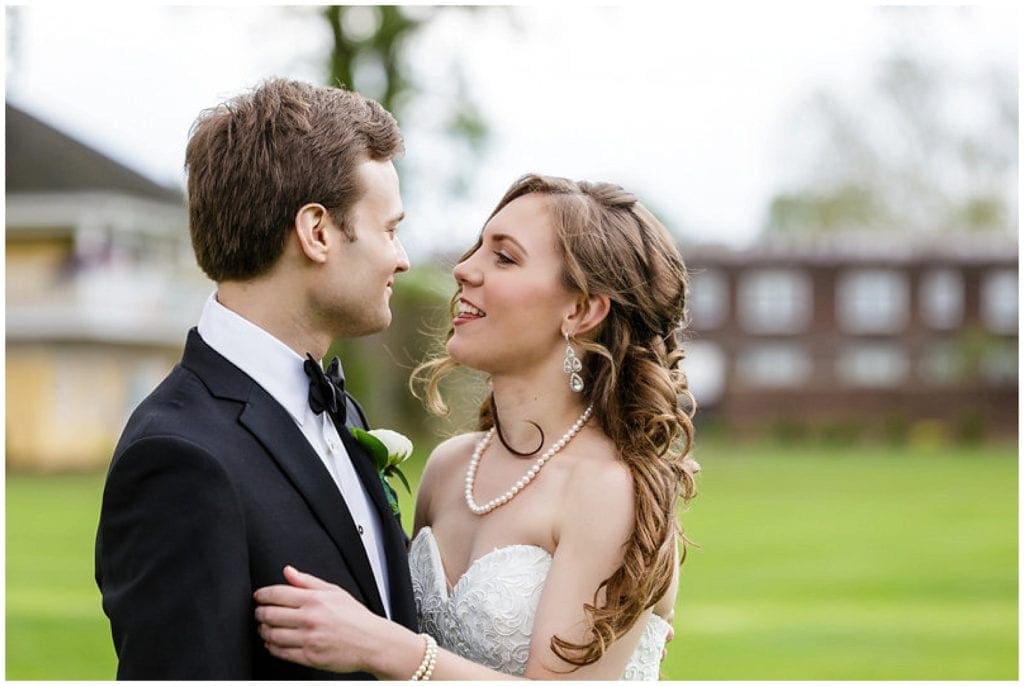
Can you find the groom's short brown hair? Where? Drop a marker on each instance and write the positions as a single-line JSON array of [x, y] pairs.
[[254, 160]]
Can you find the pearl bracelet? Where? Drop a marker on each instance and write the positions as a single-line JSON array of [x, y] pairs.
[[433, 663], [426, 668]]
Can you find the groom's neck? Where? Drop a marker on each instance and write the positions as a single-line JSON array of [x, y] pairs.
[[277, 311]]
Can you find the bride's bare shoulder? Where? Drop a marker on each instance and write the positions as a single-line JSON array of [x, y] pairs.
[[455, 450], [443, 469], [598, 493], [450, 455]]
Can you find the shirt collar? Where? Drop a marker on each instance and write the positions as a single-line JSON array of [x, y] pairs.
[[268, 361]]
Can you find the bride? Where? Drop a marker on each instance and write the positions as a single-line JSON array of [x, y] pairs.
[[546, 543]]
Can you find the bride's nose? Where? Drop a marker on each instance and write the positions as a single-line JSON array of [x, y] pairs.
[[466, 272]]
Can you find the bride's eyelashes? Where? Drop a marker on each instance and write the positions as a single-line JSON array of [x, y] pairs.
[[503, 259]]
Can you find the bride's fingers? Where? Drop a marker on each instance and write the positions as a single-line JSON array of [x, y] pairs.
[[290, 654], [304, 580], [279, 594], [668, 637], [275, 616], [281, 637]]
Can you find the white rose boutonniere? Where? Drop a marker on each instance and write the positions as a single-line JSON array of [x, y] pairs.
[[389, 449]]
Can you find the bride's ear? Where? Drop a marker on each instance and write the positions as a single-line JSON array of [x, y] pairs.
[[312, 222], [587, 314]]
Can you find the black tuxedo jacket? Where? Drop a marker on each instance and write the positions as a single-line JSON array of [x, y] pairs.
[[212, 490]]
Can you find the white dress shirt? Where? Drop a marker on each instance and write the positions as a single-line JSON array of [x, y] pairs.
[[278, 369]]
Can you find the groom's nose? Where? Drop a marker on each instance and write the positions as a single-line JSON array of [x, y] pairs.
[[403, 258]]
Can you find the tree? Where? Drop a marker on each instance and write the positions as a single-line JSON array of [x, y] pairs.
[[929, 146], [369, 54]]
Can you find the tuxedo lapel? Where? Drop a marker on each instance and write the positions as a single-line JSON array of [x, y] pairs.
[[290, 449], [367, 472], [274, 429], [403, 608]]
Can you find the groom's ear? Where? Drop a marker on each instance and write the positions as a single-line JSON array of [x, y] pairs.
[[312, 224], [587, 314]]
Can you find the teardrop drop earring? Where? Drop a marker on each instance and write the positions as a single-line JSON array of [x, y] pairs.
[[572, 366]]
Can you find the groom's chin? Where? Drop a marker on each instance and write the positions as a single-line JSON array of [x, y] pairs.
[[382, 321], [385, 318], [367, 325]]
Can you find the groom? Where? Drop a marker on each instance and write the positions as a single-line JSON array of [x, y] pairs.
[[232, 468]]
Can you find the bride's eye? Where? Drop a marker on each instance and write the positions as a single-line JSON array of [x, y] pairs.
[[503, 258]]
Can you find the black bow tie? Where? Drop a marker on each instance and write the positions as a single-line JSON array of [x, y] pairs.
[[326, 389]]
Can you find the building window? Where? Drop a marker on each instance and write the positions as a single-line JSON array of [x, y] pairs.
[[709, 299], [872, 301], [999, 365], [999, 300], [874, 365], [940, 365], [705, 368], [775, 301], [942, 299], [774, 365]]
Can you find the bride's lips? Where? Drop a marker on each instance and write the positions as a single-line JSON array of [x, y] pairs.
[[468, 312]]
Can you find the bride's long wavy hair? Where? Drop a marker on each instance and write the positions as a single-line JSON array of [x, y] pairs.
[[612, 245]]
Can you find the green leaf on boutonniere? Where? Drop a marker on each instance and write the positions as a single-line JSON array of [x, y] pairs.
[[373, 445], [388, 450], [390, 495], [401, 477]]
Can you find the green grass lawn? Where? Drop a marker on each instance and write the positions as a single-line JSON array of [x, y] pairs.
[[850, 564], [55, 627], [815, 563]]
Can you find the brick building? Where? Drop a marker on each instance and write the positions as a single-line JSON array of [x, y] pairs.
[[866, 330]]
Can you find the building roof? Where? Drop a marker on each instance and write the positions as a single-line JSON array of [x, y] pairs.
[[42, 159], [879, 247]]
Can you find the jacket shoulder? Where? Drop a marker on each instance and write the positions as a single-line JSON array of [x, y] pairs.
[[180, 406]]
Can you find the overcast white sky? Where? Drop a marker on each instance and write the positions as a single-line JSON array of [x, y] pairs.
[[686, 107]]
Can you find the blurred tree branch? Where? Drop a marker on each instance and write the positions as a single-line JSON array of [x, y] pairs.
[[369, 50], [377, 38], [929, 146]]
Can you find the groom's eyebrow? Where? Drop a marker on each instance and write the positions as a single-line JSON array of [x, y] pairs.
[[396, 219]]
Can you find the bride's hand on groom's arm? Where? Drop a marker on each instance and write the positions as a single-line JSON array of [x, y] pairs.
[[317, 624], [320, 625]]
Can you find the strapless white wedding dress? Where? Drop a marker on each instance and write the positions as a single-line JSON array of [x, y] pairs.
[[488, 616]]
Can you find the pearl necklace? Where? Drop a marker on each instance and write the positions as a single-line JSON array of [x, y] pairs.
[[532, 472]]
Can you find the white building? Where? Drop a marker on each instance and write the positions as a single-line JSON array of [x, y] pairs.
[[102, 287]]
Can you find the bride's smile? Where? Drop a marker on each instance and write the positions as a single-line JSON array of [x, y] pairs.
[[512, 297]]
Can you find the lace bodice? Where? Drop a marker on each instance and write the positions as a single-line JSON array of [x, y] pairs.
[[488, 615]]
